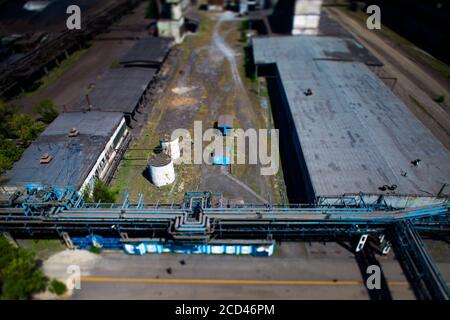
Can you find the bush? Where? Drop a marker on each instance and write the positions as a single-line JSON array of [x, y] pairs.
[[103, 193], [9, 153], [243, 29], [6, 113], [439, 99], [95, 250], [46, 110], [25, 128], [57, 287], [16, 132]]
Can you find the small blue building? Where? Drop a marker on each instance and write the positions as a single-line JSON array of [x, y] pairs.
[[221, 157], [225, 124]]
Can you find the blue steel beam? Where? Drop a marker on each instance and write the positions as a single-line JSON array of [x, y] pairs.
[[417, 263]]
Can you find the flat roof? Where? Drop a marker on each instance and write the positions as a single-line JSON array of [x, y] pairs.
[[119, 90], [151, 50], [225, 120], [354, 133], [73, 157]]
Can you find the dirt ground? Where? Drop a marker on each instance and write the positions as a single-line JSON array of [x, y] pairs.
[[104, 52], [416, 85], [206, 81]]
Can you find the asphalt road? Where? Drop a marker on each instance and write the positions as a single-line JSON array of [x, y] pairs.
[[296, 271]]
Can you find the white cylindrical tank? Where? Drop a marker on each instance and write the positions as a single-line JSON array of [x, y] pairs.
[[161, 170], [170, 147]]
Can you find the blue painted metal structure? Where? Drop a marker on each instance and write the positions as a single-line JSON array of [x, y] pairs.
[[203, 217]]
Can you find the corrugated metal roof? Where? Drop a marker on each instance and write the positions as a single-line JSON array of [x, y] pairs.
[[151, 50], [73, 157], [355, 134], [120, 90]]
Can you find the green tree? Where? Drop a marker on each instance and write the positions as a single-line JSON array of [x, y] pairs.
[[103, 193], [57, 287], [25, 128], [9, 153], [19, 273], [7, 254], [46, 110], [6, 113]]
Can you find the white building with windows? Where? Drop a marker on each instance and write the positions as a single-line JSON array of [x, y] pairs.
[[76, 149]]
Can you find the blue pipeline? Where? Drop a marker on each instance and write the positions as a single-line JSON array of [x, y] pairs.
[[94, 241]]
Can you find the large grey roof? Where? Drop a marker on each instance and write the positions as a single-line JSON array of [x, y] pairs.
[[151, 50], [355, 134], [120, 89], [73, 158]]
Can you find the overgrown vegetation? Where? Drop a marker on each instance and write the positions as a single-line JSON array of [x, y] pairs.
[[17, 131], [95, 250], [101, 192], [20, 276], [249, 65], [46, 110], [57, 287], [56, 72], [439, 99], [243, 29], [151, 11]]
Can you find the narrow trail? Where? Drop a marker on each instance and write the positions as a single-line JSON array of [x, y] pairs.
[[219, 42], [243, 101], [243, 185]]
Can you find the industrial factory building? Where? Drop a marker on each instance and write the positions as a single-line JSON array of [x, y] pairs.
[[125, 88], [120, 90], [88, 141], [347, 133], [74, 150], [147, 52]]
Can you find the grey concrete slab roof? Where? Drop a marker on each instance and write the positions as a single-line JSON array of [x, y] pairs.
[[152, 50], [225, 120], [355, 134], [119, 90], [73, 157]]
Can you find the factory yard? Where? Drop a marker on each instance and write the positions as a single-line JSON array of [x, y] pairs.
[[205, 78], [364, 168]]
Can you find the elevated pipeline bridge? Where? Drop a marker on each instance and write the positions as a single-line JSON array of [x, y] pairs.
[[203, 217]]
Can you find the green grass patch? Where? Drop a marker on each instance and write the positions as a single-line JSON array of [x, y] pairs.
[[43, 249], [58, 71]]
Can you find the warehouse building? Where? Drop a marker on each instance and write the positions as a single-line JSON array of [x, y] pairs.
[[147, 52], [76, 149], [120, 90], [344, 132]]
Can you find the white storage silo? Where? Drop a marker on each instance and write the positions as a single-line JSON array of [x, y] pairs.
[[161, 170], [170, 146]]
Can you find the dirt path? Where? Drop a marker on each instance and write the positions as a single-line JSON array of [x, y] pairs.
[[219, 42], [414, 86], [243, 104], [206, 82]]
